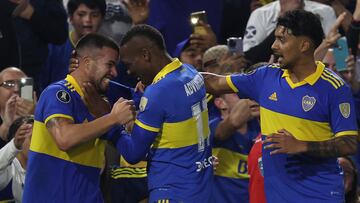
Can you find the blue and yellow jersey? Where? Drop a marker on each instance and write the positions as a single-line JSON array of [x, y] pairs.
[[231, 175], [318, 108], [55, 175], [180, 161], [127, 170]]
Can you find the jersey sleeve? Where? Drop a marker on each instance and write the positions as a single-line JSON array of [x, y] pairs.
[[342, 112], [248, 85], [151, 110], [59, 103]]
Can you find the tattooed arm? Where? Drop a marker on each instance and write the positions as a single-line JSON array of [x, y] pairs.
[[284, 142], [339, 146]]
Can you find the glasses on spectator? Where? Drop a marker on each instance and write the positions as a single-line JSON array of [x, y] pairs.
[[9, 84]]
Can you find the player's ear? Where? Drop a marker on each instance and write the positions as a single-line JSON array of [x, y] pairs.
[[305, 45]]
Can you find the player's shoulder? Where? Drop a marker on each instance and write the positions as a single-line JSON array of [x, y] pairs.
[[60, 90], [332, 82]]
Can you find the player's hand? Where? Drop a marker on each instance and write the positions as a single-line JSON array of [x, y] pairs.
[[124, 111], [140, 87], [74, 62], [240, 113], [138, 10], [96, 104], [21, 134], [350, 62], [284, 142]]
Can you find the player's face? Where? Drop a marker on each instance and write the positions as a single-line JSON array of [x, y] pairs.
[[135, 63], [9, 85], [103, 68], [86, 20], [285, 47]]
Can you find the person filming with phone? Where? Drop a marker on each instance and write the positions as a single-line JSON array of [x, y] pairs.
[[12, 105]]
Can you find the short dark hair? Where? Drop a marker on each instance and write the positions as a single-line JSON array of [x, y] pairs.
[[92, 4], [95, 41], [303, 23], [16, 125], [147, 31]]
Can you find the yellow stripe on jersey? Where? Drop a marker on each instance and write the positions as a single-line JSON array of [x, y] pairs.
[[350, 132], [124, 163], [74, 84], [175, 64], [330, 81], [90, 153], [125, 172], [332, 75], [209, 97], [184, 133], [146, 127], [272, 121], [58, 115], [311, 79], [231, 84], [231, 164]]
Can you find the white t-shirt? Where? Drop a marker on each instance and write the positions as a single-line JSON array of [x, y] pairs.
[[262, 21], [11, 169]]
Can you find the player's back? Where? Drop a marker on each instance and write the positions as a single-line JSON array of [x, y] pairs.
[[180, 165]]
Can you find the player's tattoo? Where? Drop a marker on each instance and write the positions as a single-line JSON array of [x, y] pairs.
[[340, 146]]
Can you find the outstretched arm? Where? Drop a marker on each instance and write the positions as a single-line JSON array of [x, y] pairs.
[[216, 84]]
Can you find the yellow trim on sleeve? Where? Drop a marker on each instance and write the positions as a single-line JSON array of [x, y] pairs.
[[231, 84], [350, 132], [146, 127], [175, 64], [58, 115]]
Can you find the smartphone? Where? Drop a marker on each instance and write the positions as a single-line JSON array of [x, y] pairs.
[[27, 88], [341, 52], [235, 45], [195, 19]]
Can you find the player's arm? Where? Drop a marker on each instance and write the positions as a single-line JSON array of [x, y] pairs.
[[216, 84], [68, 135], [284, 142], [134, 147]]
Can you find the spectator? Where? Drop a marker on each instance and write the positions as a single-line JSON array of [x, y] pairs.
[[260, 28], [41, 22], [232, 144], [62, 112], [11, 104], [85, 16], [179, 167], [14, 156], [301, 140]]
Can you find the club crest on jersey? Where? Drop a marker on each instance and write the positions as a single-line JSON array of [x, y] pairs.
[[63, 96], [308, 103], [143, 103], [345, 109]]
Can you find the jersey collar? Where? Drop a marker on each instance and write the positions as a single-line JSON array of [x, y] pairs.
[[175, 64], [76, 86], [311, 79]]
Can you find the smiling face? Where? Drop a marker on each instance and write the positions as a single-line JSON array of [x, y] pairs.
[[286, 47], [135, 56], [86, 20], [102, 68]]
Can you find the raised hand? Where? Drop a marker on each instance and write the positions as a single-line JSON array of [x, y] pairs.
[[21, 134], [25, 107], [204, 41], [10, 111], [138, 10], [240, 113], [74, 62]]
